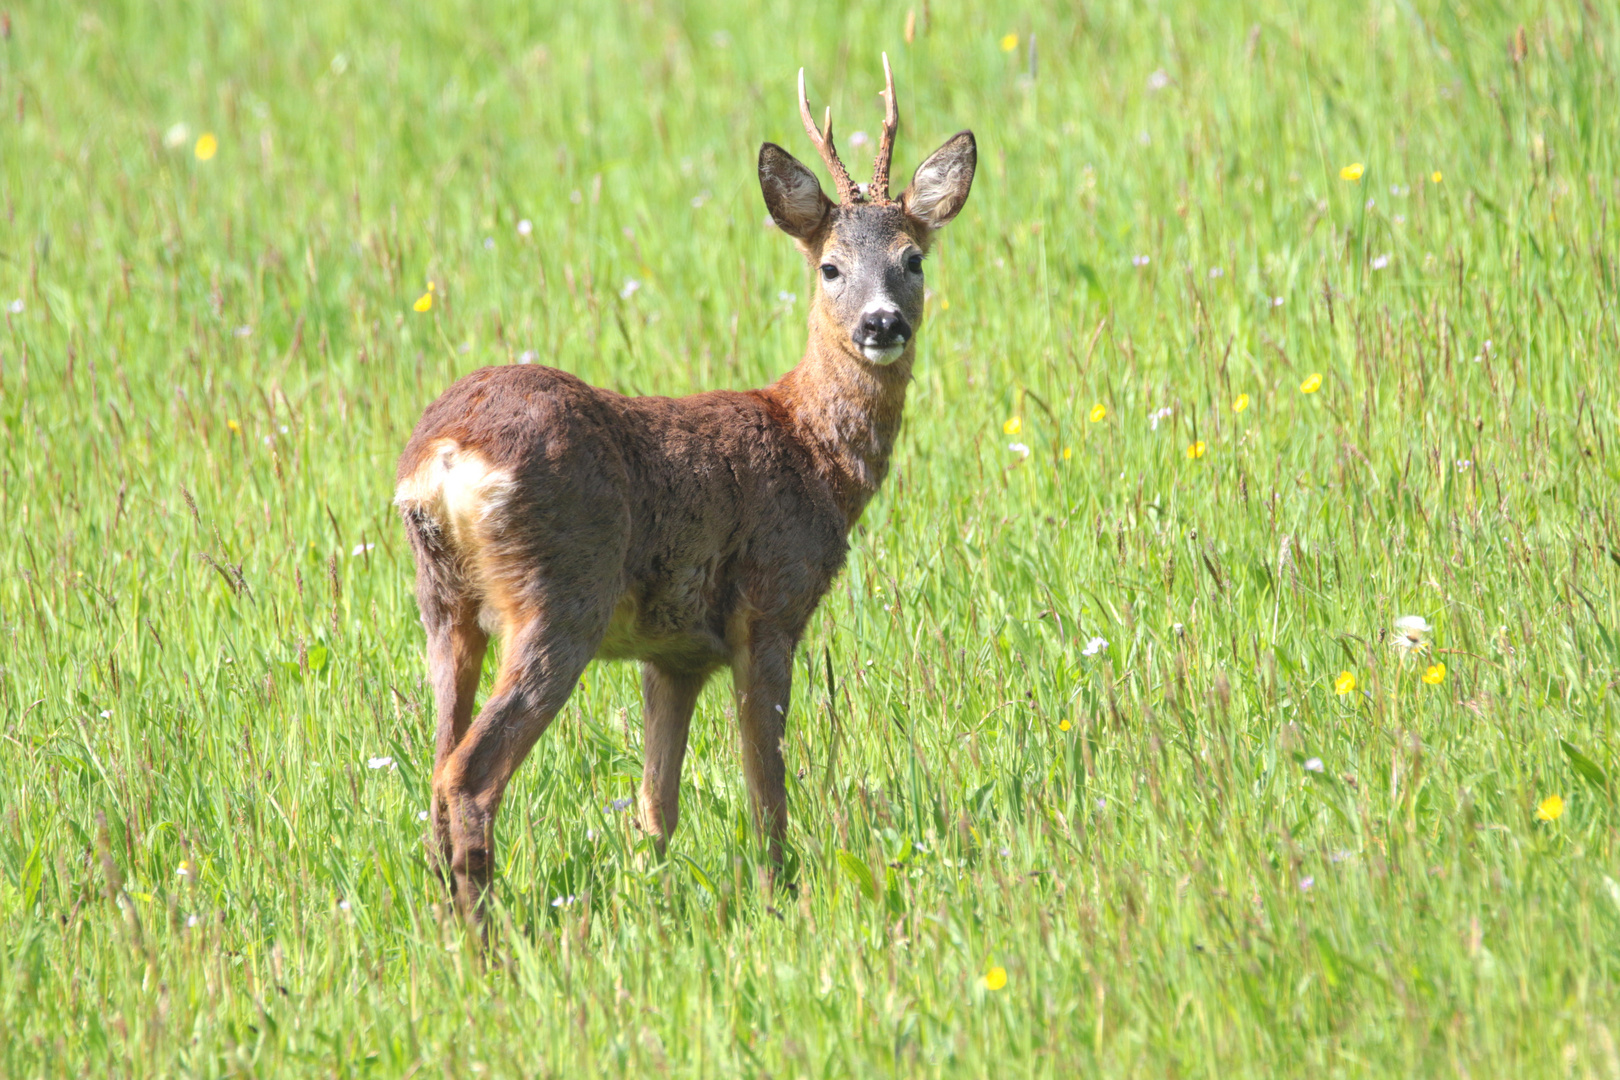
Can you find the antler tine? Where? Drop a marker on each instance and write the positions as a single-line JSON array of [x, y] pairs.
[[891, 124], [824, 144]]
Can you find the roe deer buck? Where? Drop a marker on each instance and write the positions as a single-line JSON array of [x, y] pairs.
[[686, 533]]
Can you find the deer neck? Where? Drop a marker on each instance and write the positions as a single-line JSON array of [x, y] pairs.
[[846, 412]]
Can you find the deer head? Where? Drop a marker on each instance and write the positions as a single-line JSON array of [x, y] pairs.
[[867, 249]]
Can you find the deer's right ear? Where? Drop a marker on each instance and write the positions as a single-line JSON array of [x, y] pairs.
[[792, 193]]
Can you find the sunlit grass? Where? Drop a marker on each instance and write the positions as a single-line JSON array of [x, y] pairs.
[[1264, 328]]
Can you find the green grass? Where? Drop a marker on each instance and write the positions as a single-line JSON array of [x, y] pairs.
[[215, 363]]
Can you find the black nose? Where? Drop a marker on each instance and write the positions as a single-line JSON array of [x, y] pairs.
[[883, 328]]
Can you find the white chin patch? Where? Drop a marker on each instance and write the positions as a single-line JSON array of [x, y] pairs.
[[886, 355]]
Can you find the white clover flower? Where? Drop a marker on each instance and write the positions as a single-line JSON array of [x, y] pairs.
[[1094, 646], [525, 227]]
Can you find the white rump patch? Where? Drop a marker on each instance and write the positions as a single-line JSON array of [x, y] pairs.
[[457, 487]]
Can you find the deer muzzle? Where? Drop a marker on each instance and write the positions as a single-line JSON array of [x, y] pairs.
[[882, 335]]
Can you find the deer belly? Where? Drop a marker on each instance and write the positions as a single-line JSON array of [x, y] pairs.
[[673, 622]]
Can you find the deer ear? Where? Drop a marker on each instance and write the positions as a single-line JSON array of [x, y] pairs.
[[792, 193], [940, 185]]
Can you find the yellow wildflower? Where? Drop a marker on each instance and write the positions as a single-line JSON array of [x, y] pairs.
[[1241, 403], [1551, 808], [424, 302], [1014, 425], [1344, 684], [1064, 725], [1068, 452], [1354, 171], [233, 425], [1098, 411], [995, 978], [187, 868], [945, 305], [1008, 44], [207, 146], [1435, 177], [1435, 675], [1195, 450], [1312, 383]]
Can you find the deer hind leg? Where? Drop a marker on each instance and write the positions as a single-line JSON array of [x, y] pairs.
[[455, 654], [455, 646], [541, 663], [762, 674], [668, 698]]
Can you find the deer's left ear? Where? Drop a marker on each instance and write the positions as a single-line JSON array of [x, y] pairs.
[[940, 185]]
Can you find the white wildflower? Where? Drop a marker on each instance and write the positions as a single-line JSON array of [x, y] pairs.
[[1094, 646], [1411, 633], [361, 549], [380, 763], [1018, 448], [1313, 764], [525, 227]]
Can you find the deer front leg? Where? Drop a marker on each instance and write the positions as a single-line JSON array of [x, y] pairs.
[[763, 676], [667, 699]]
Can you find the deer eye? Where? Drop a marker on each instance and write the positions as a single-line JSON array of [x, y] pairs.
[[914, 263], [829, 272]]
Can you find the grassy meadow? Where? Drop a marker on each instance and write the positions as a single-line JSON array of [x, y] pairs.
[[1266, 325]]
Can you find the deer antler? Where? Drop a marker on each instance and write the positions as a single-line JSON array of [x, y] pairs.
[[847, 192], [891, 124]]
